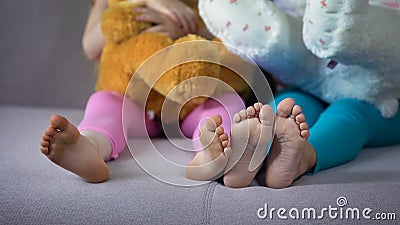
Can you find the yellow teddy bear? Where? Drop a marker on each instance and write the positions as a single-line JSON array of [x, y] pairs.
[[126, 48]]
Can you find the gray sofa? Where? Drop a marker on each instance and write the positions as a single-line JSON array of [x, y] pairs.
[[43, 71]]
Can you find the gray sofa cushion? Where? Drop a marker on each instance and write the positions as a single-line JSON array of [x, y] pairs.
[[43, 71], [36, 191]]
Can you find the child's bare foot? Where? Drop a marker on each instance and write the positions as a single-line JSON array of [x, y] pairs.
[[291, 155], [65, 146], [211, 161], [251, 133]]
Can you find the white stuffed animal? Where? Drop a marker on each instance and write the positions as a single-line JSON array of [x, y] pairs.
[[332, 49]]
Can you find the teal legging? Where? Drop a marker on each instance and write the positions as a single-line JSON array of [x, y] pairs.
[[341, 129]]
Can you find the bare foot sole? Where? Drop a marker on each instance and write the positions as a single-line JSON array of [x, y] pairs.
[[251, 134], [65, 146], [210, 162], [291, 155]]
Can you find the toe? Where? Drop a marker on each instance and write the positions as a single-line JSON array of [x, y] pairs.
[[44, 150], [59, 122], [227, 151], [300, 119], [219, 130], [223, 137], [50, 131], [225, 143], [47, 137], [257, 106], [209, 130], [267, 115], [303, 126], [285, 107], [243, 114], [251, 112], [296, 111], [44, 147], [44, 143], [217, 120], [208, 125], [305, 134], [236, 118]]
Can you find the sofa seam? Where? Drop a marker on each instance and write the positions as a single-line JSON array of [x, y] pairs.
[[207, 202]]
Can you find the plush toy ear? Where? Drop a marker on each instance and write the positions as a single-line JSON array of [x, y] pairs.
[[118, 21]]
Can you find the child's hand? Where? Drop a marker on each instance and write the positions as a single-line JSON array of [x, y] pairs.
[[177, 11], [163, 24]]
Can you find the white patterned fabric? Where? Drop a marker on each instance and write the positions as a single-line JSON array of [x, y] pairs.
[[338, 49]]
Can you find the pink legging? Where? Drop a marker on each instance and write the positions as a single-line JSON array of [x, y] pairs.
[[103, 114]]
